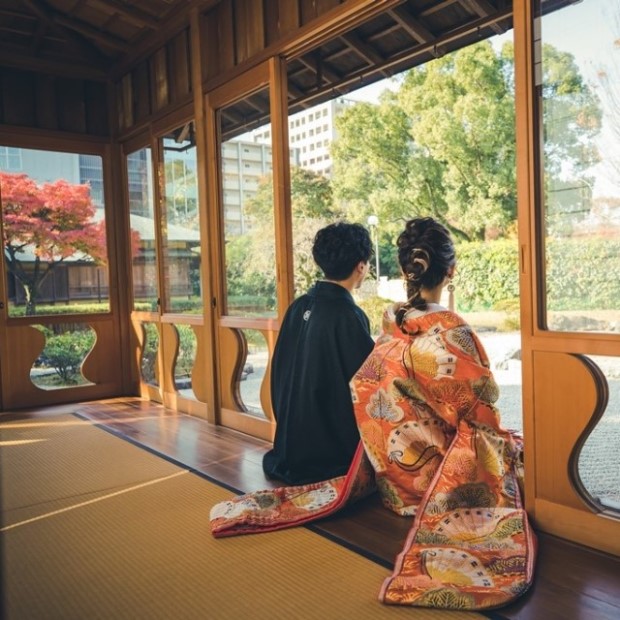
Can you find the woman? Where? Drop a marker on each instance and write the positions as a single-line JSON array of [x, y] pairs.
[[423, 401], [433, 444]]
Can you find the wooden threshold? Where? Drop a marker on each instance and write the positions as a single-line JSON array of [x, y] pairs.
[[571, 581]]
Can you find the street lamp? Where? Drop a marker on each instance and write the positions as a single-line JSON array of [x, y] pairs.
[[373, 222]]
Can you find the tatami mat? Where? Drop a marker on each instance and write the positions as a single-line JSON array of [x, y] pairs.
[[95, 527]]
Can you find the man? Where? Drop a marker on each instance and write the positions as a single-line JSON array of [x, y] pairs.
[[323, 340]]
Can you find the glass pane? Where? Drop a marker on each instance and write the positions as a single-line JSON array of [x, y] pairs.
[[60, 362], [148, 361], [253, 371], [311, 132], [180, 222], [142, 225], [579, 85], [53, 216], [599, 460], [247, 199], [185, 361], [504, 351]]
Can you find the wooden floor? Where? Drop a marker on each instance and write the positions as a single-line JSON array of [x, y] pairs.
[[572, 582]]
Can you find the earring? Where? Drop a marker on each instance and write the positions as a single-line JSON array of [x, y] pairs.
[[451, 296]]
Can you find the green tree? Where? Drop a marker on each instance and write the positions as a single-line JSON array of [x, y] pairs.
[[311, 208], [443, 144], [572, 116]]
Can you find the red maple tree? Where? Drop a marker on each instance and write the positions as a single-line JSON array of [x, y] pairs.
[[43, 225]]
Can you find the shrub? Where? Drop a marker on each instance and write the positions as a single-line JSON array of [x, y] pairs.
[[187, 351], [374, 307], [487, 274], [66, 352]]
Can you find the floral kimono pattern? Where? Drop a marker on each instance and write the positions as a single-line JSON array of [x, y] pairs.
[[434, 448], [423, 401]]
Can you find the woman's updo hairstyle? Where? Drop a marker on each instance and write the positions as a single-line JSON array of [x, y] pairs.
[[425, 255]]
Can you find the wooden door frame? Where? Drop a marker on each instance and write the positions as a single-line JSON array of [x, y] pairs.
[[551, 364], [16, 335], [270, 74], [165, 392]]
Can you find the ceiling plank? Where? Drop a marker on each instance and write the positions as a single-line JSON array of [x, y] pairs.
[[93, 33], [318, 67], [17, 57], [411, 25], [130, 14], [368, 75], [482, 8], [46, 15], [38, 37], [437, 7], [369, 54]]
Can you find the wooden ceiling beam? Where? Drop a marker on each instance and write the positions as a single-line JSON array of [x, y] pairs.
[[318, 67], [18, 57], [436, 7], [28, 32], [172, 22], [129, 14], [50, 17], [482, 8], [255, 103], [293, 91], [14, 13], [411, 25], [365, 76], [231, 115], [93, 33], [371, 56], [38, 37]]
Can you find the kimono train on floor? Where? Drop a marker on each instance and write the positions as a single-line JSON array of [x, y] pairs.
[[434, 448]]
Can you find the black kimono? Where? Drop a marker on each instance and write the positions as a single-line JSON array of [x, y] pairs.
[[323, 340]]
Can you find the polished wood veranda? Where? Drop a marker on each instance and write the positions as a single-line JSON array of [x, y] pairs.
[[572, 582]]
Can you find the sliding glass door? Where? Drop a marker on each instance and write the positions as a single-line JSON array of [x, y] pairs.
[[252, 277], [59, 319]]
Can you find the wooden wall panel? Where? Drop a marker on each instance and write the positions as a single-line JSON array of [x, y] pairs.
[[307, 10], [311, 9], [322, 6], [96, 100], [23, 344], [157, 84], [566, 395], [231, 33], [159, 79], [141, 92], [47, 115], [219, 40], [126, 115], [249, 28], [281, 18], [180, 67], [71, 105], [40, 101], [18, 94]]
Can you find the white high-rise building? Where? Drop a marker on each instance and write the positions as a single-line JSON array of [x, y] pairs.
[[311, 133]]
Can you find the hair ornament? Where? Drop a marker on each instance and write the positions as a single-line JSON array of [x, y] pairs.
[[421, 257]]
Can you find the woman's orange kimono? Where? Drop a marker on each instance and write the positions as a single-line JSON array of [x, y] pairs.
[[433, 444]]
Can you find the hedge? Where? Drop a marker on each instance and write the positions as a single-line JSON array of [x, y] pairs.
[[486, 274], [581, 274]]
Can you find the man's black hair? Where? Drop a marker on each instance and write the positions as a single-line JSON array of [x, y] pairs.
[[339, 247]]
